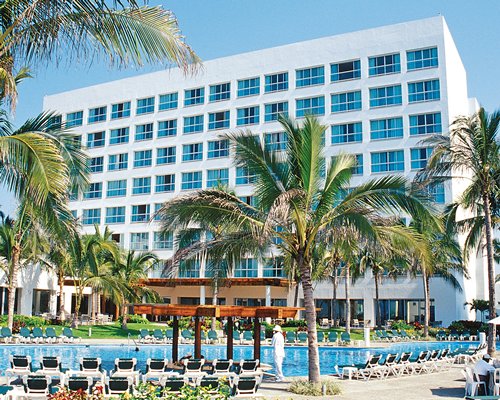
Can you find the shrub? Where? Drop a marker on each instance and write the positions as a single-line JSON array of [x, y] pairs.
[[294, 323], [134, 319], [472, 326], [400, 324], [24, 320], [305, 388], [147, 391], [66, 394]]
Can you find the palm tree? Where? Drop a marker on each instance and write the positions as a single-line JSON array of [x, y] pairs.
[[479, 305], [472, 153], [292, 193], [130, 270]]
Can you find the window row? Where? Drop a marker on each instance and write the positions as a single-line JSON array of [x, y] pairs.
[[346, 70]]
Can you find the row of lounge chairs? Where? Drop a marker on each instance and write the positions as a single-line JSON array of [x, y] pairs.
[[392, 335], [406, 363], [332, 338], [454, 335], [37, 335], [243, 378]]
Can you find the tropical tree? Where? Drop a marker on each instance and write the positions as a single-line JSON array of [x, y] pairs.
[[471, 153], [292, 193], [479, 305], [130, 271]]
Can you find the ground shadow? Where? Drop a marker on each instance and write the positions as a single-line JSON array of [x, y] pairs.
[[449, 393]]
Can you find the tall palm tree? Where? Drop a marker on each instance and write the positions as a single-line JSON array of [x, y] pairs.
[[472, 153], [293, 194], [130, 270]]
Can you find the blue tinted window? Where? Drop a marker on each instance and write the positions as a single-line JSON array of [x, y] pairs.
[[382, 65], [168, 101], [219, 92], [276, 82], [96, 164], [141, 185], [143, 158], [192, 152], [96, 139], [345, 70], [97, 114], [91, 216], [117, 188], [191, 180], [115, 215], [244, 176], [436, 192], [163, 241], [247, 116], [140, 213], [358, 166], [419, 157], [74, 119], [117, 162], [347, 101], [94, 191], [423, 124], [386, 128], [217, 177], [167, 128], [423, 91], [139, 241], [247, 268], [248, 87], [276, 141], [194, 96], [118, 136], [310, 76], [310, 106], [165, 155], [218, 148], [387, 161], [218, 120], [193, 124], [145, 106], [165, 183], [189, 269], [423, 58], [386, 96], [144, 132], [120, 110], [273, 110], [347, 133]]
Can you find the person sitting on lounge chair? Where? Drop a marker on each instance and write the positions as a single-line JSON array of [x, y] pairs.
[[483, 368]]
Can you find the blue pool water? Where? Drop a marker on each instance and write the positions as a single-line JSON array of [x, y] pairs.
[[295, 363]]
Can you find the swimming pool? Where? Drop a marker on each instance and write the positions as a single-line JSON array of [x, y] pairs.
[[295, 363]]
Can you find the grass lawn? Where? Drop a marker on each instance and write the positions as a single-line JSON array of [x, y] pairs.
[[113, 331], [356, 334]]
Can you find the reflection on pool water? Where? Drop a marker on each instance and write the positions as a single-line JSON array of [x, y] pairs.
[[295, 363]]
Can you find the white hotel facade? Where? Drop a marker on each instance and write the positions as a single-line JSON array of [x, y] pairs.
[[156, 136]]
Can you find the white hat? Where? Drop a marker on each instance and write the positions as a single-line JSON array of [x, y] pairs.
[[277, 328], [486, 357]]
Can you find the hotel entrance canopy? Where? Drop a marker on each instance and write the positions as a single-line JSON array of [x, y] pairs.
[[229, 312]]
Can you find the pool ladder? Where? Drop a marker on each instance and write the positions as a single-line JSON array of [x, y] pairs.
[[133, 340]]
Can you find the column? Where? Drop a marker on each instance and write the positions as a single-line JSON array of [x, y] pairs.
[[197, 337], [36, 307], [53, 302], [175, 339], [230, 328], [202, 295], [256, 338]]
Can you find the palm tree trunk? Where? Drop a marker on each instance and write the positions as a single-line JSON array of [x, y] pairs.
[[427, 301], [491, 274], [377, 302], [347, 300], [11, 302], [310, 309], [335, 281], [296, 295], [124, 316], [60, 281], [214, 302], [79, 296]]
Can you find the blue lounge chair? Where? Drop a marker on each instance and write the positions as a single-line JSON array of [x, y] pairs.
[[321, 337], [213, 337], [247, 337], [25, 335], [441, 335], [290, 337], [302, 337], [6, 335], [158, 336], [68, 336], [144, 336], [187, 336], [51, 336], [236, 337], [333, 337], [345, 338], [38, 335]]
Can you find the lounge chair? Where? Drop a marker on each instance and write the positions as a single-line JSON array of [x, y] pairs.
[[69, 337], [333, 337], [247, 337], [388, 335], [158, 336], [210, 383], [90, 367], [19, 366], [302, 337], [126, 367], [366, 370], [144, 336], [321, 337], [345, 338], [454, 335], [396, 335], [82, 383], [25, 335], [203, 336], [419, 364], [169, 335], [402, 365], [405, 336], [236, 337], [221, 367], [50, 364], [465, 335], [6, 335], [290, 337], [213, 337], [193, 365], [186, 336], [245, 386], [38, 336], [117, 385], [51, 336], [441, 335], [156, 368], [386, 367], [249, 367], [173, 385], [37, 386]]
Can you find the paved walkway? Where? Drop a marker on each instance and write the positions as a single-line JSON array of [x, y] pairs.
[[441, 385]]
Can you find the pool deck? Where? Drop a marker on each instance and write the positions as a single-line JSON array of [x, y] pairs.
[[442, 385]]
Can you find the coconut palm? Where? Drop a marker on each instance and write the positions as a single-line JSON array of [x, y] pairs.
[[472, 153], [478, 305], [130, 270], [292, 193]]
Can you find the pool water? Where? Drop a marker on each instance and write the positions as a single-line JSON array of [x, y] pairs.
[[295, 363]]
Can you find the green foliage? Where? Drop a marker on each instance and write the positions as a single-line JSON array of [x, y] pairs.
[[147, 391], [66, 394], [400, 324], [294, 323], [135, 319], [24, 320], [473, 327], [185, 323], [305, 388]]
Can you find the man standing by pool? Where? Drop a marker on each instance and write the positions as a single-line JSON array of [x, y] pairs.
[[278, 344]]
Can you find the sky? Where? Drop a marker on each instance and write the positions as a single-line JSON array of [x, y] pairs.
[[218, 28]]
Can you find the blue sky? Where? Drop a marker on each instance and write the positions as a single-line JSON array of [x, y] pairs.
[[219, 28]]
